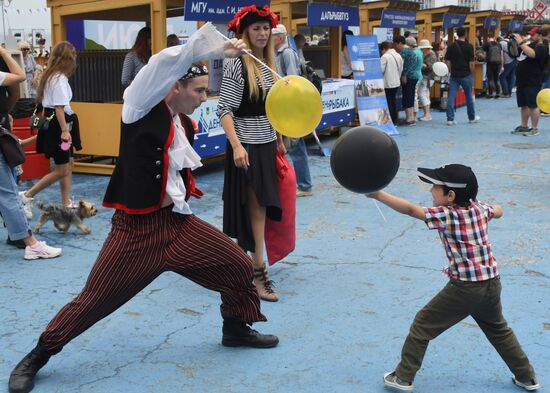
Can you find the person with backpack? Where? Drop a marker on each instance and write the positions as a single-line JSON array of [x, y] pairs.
[[510, 50], [495, 61], [530, 76], [288, 63]]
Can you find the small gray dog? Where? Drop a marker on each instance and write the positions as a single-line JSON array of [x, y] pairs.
[[63, 216]]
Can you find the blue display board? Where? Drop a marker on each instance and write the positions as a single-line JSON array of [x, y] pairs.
[[515, 25], [369, 83], [398, 19], [319, 14], [453, 20], [490, 23], [216, 10]]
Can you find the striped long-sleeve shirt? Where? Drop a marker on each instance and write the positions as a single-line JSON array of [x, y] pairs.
[[132, 65], [249, 129]]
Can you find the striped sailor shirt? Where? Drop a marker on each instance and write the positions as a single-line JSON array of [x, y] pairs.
[[249, 129], [463, 232]]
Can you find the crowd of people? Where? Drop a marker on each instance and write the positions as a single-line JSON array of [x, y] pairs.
[[512, 61]]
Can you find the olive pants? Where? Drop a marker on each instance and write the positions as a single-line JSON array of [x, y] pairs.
[[456, 301]]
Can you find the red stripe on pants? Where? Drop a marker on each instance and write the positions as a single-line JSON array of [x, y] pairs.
[[141, 247]]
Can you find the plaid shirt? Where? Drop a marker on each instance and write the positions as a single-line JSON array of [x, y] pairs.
[[464, 236]]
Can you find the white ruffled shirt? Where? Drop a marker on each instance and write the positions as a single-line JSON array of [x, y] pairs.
[[182, 155], [151, 85]]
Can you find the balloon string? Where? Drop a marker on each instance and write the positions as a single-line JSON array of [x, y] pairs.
[[248, 52], [379, 210]]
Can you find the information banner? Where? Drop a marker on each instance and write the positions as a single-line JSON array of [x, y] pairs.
[[490, 23], [216, 10], [515, 25], [319, 14], [453, 20], [398, 19], [369, 83]]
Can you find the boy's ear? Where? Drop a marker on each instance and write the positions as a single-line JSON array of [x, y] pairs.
[[451, 196]]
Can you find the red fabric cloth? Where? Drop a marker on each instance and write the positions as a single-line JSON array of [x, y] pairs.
[[280, 236]]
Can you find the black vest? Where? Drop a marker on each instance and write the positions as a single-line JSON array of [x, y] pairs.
[[138, 183], [249, 108]]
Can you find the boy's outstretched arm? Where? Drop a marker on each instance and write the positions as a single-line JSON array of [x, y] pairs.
[[399, 204], [497, 210]]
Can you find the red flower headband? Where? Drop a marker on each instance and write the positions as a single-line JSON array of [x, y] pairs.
[[251, 14]]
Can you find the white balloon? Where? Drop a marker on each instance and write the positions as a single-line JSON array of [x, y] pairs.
[[440, 69]]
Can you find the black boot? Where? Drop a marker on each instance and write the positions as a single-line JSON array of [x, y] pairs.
[[22, 376], [238, 334]]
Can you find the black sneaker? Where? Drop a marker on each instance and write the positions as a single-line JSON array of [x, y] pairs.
[[238, 334], [16, 243], [392, 381], [531, 132], [519, 130]]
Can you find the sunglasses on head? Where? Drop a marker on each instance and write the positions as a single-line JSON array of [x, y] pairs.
[[195, 71]]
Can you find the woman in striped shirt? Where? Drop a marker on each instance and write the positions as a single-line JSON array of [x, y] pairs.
[[137, 57], [250, 192]]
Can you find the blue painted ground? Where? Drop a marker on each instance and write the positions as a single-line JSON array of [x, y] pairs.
[[348, 292]]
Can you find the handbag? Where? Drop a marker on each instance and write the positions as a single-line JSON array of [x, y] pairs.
[[11, 148], [280, 236], [40, 123]]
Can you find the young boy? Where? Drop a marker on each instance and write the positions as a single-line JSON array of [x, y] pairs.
[[474, 284]]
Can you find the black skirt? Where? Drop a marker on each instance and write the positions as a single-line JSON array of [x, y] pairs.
[[261, 176], [49, 141]]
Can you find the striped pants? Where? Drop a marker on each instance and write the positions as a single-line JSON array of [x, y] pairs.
[[141, 247]]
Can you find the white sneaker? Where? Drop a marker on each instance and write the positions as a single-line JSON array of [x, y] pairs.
[[27, 204], [475, 120], [452, 122], [42, 250], [531, 385]]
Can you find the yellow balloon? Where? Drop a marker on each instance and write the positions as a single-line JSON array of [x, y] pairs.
[[293, 106], [543, 100]]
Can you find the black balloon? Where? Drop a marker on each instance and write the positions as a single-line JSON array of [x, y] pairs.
[[364, 159]]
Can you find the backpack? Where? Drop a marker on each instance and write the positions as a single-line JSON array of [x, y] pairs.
[[513, 48], [493, 54], [309, 73], [306, 71]]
